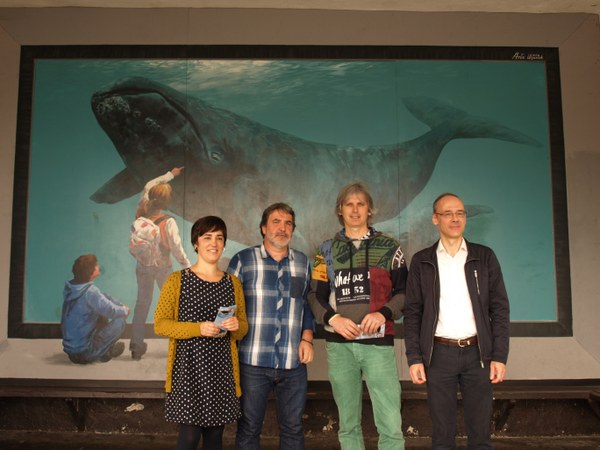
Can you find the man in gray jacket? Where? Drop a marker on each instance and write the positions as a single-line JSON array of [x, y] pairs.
[[456, 327]]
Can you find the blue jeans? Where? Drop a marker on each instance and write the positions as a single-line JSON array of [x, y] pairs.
[[105, 336], [348, 363], [453, 367], [290, 386], [146, 277]]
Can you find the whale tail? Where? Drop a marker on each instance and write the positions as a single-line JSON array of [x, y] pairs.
[[437, 114]]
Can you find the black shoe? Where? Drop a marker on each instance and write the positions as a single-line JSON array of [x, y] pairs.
[[115, 350], [139, 351]]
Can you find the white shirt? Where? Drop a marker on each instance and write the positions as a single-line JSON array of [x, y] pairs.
[[456, 320]]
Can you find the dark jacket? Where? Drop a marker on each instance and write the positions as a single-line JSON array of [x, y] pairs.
[[488, 296]]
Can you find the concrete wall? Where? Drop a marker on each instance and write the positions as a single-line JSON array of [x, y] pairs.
[[576, 35]]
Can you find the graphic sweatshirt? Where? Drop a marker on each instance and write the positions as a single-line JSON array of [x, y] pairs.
[[355, 277]]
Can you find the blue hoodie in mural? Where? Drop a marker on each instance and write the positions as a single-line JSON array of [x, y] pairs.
[[85, 310]]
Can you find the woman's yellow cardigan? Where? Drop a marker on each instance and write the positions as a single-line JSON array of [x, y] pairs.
[[166, 323]]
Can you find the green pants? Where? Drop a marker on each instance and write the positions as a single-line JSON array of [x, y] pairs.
[[348, 363]]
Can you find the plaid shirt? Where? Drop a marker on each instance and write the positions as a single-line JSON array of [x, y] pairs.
[[276, 306]]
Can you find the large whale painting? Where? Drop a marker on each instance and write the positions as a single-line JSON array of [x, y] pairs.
[[235, 167]]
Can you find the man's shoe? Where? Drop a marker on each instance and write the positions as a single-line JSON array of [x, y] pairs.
[[115, 350]]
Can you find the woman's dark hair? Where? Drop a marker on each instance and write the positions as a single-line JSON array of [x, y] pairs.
[[205, 225], [83, 268]]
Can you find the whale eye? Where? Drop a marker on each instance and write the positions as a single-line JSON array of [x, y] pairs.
[[216, 157]]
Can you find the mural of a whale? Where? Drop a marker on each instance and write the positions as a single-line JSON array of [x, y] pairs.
[[235, 167]]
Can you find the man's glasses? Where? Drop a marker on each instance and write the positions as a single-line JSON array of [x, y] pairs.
[[449, 214]]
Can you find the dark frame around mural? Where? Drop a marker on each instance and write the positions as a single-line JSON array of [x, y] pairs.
[[19, 328]]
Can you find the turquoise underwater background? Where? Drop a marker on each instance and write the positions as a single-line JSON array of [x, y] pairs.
[[348, 103]]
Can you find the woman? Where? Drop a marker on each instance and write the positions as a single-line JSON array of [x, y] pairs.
[[203, 375], [155, 198]]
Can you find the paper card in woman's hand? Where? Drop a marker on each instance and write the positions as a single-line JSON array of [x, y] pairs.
[[224, 312]]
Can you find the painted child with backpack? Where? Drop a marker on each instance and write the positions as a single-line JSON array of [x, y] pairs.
[[154, 238]]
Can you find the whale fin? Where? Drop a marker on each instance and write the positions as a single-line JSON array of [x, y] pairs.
[[435, 114], [476, 210], [123, 185]]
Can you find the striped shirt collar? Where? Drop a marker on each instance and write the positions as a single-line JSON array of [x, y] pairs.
[[265, 254]]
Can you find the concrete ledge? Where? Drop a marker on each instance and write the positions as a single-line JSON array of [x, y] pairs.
[[521, 408], [320, 390], [594, 401]]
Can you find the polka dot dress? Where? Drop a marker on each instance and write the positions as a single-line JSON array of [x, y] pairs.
[[203, 390]]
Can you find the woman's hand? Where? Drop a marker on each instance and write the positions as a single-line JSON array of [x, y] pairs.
[[231, 324], [209, 329]]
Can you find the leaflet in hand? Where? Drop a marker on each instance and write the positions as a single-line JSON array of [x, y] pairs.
[[224, 312], [378, 334]]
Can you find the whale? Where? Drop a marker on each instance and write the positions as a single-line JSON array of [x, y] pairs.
[[235, 167]]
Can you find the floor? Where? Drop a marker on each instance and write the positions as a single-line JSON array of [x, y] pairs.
[[27, 440]]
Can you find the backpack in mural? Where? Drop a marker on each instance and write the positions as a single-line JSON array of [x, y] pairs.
[[144, 241]]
